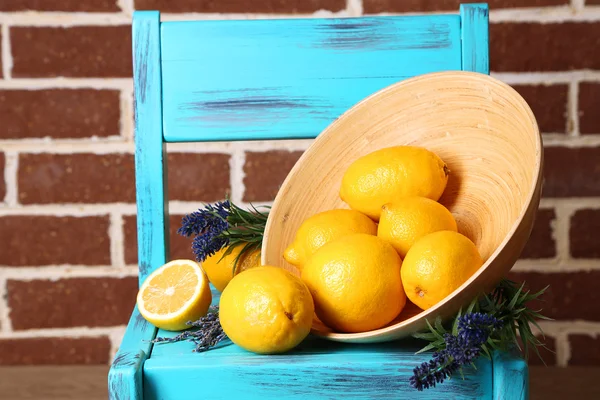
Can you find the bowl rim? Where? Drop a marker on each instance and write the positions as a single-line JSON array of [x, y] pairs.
[[535, 182]]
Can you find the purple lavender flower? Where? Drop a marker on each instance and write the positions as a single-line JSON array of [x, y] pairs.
[[428, 374], [461, 349], [475, 328], [207, 225], [212, 216]]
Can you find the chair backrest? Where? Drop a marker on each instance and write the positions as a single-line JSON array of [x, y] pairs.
[[272, 79]]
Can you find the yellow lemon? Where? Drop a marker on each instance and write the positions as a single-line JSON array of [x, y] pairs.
[[436, 265], [323, 228], [408, 219], [266, 310], [385, 175], [220, 269], [174, 294], [355, 282]]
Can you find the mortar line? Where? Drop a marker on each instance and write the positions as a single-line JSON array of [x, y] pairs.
[[354, 8], [11, 168], [56, 272], [561, 231], [71, 332], [5, 322], [578, 5], [236, 174], [573, 108], [120, 144], [115, 234], [547, 78], [7, 61], [126, 6], [126, 115], [66, 83], [563, 349]]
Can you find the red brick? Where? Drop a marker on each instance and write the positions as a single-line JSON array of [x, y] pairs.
[[62, 5], [74, 302], [241, 6], [571, 172], [46, 240], [585, 350], [76, 178], [589, 98], [549, 105], [59, 113], [180, 246], [55, 351], [571, 295], [380, 6], [265, 172], [2, 183], [198, 177], [584, 241], [83, 51], [558, 46], [541, 243]]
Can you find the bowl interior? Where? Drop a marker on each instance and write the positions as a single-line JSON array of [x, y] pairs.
[[481, 128]]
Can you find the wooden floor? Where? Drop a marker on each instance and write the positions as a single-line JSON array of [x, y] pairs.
[[89, 383]]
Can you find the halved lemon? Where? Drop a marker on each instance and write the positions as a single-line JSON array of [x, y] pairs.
[[174, 294]]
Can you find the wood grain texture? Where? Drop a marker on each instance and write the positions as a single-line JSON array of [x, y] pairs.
[[150, 158], [317, 369], [510, 377], [275, 79], [483, 130], [475, 37]]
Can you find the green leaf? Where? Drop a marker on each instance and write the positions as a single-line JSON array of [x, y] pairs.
[[515, 298], [439, 326], [433, 330], [426, 348], [472, 306]]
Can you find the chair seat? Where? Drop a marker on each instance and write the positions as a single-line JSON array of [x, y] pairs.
[[316, 369]]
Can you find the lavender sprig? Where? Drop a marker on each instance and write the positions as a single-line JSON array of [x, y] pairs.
[[208, 335], [490, 323], [207, 225], [428, 374], [457, 350], [221, 225]]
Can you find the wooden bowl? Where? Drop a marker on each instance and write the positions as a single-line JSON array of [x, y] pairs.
[[488, 137]]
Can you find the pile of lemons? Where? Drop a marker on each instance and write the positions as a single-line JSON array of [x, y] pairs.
[[358, 266]]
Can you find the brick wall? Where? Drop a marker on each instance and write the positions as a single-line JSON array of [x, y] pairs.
[[67, 217]]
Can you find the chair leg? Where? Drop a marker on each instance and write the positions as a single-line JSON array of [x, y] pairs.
[[125, 375], [511, 376]]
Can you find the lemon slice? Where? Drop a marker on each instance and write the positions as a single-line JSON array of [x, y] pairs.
[[174, 294]]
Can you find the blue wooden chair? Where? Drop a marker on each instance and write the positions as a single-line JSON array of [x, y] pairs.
[[279, 79]]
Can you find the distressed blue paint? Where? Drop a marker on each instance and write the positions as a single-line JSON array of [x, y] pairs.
[[510, 377], [125, 376], [273, 79], [316, 369], [125, 381], [150, 162], [475, 37]]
